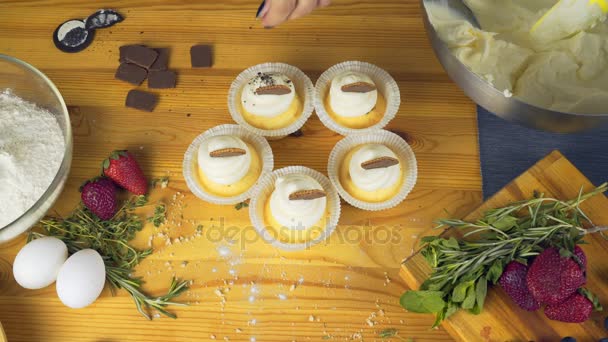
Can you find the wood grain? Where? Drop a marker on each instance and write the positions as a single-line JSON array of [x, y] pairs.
[[344, 288], [501, 319]]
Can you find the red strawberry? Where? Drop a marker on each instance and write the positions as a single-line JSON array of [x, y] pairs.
[[123, 169], [576, 309], [513, 281], [553, 278], [99, 195]]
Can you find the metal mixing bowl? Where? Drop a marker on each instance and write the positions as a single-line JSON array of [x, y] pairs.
[[32, 85], [492, 99]]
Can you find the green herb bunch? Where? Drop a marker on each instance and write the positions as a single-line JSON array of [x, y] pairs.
[[82, 229], [463, 268]]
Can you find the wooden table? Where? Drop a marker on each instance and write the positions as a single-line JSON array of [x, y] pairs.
[[339, 291]]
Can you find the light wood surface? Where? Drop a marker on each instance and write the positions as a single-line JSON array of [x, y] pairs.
[[503, 320], [349, 290]]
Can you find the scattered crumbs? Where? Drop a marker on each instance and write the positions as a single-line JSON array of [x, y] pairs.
[[184, 264], [252, 339], [292, 287], [226, 338], [238, 330], [282, 296], [387, 280], [213, 337], [311, 318], [401, 321]]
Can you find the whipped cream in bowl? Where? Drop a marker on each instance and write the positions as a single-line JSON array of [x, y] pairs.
[[349, 103], [375, 178], [224, 154], [374, 147], [301, 202]]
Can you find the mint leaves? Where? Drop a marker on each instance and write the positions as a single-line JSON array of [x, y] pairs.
[[423, 301]]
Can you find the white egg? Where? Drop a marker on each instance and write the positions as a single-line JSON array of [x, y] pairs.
[[37, 263], [81, 279]]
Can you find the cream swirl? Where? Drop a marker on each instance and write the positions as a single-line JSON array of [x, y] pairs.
[[350, 104], [224, 170], [296, 214], [267, 105], [373, 179]]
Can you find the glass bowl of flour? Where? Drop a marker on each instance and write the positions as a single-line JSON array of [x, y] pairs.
[[35, 146]]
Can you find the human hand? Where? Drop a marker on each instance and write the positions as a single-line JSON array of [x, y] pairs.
[[275, 12]]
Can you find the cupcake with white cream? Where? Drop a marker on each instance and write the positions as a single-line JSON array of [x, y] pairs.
[[271, 99], [352, 97], [294, 208], [223, 164], [373, 171]]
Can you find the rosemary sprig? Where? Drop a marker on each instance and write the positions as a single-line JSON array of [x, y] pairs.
[[463, 268], [110, 238]]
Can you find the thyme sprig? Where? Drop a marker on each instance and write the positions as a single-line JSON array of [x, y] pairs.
[[82, 229]]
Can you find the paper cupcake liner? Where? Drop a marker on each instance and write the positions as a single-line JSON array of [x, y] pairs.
[[304, 89], [384, 82], [265, 187], [191, 159], [392, 141]]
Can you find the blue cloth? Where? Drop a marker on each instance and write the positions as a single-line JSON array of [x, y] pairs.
[[506, 150]]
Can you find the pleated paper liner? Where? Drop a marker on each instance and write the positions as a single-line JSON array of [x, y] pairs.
[[391, 140], [190, 163], [261, 195], [304, 89], [385, 84]]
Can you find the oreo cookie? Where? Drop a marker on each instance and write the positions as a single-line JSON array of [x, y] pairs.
[[103, 18], [73, 36], [76, 35]]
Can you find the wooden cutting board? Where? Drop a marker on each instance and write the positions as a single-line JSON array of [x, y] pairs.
[[503, 320]]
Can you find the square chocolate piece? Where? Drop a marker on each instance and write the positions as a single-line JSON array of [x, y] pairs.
[[201, 56], [141, 100], [123, 52], [162, 61], [141, 55], [131, 73], [162, 79]]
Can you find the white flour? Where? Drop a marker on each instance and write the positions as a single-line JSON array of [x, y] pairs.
[[31, 150]]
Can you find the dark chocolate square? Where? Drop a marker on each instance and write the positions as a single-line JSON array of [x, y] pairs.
[[162, 61], [123, 52], [201, 56], [131, 73], [162, 79], [141, 55], [141, 100]]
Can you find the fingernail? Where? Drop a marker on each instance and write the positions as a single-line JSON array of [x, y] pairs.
[[257, 15]]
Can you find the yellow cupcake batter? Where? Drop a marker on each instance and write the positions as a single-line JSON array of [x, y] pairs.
[[286, 235], [358, 122], [280, 121], [347, 183], [255, 169]]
